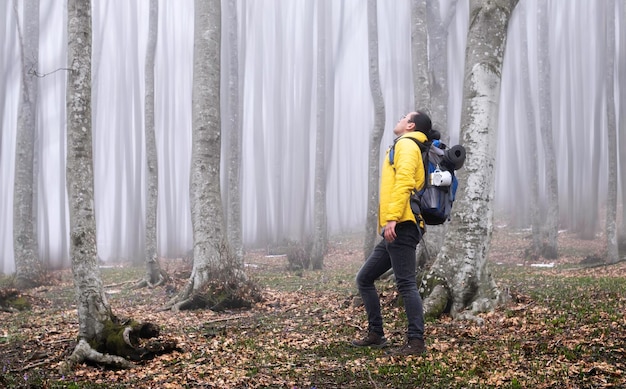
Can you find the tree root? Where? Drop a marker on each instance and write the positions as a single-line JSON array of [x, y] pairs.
[[85, 353], [436, 302], [145, 283], [217, 295], [120, 345]]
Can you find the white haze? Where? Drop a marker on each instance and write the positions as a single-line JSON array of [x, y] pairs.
[[278, 75]]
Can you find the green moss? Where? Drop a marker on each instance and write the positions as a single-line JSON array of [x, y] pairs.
[[20, 303]]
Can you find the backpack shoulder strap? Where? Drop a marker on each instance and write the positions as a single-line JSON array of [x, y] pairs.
[[424, 146]]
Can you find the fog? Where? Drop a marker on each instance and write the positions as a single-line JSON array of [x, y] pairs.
[[277, 76]]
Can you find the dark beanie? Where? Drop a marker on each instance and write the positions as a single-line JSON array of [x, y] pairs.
[[422, 122]]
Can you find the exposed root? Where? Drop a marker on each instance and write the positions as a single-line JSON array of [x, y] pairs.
[[436, 302], [217, 295], [145, 283], [85, 353]]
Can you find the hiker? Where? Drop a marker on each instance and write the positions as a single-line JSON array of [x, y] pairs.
[[399, 229]]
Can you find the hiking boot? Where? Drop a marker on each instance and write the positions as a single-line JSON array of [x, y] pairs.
[[371, 340], [411, 347]]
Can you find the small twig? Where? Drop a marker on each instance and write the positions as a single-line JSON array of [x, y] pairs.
[[371, 379], [117, 285], [226, 319], [61, 341], [29, 366], [42, 75]]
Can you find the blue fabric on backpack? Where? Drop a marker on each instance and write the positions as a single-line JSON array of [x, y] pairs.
[[434, 203]]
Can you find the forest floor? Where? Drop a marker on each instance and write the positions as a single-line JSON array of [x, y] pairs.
[[564, 328]]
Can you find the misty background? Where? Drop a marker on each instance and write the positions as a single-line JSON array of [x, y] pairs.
[[277, 51]]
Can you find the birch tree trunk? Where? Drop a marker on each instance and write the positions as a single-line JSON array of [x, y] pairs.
[[28, 268], [551, 228], [371, 220], [460, 278], [154, 274], [611, 201], [212, 258]]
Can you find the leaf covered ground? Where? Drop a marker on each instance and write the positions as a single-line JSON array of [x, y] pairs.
[[564, 328]]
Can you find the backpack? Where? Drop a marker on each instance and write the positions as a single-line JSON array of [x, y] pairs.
[[434, 201]]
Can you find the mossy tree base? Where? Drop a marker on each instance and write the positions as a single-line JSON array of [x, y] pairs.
[[12, 300], [120, 344], [217, 295]]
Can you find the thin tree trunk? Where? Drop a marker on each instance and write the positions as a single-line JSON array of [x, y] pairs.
[[551, 227], [438, 64], [371, 220], [461, 266], [28, 267], [153, 269], [589, 221], [320, 230], [611, 201], [621, 133], [235, 158], [530, 151], [419, 55]]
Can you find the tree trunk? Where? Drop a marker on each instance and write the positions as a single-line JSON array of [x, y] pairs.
[[235, 158], [611, 201], [460, 277], [27, 265], [551, 228], [438, 64], [93, 308], [531, 153], [371, 220], [212, 259], [419, 55], [621, 132], [320, 228], [102, 338], [154, 275]]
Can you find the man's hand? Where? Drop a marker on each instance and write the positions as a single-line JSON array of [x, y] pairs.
[[389, 231]]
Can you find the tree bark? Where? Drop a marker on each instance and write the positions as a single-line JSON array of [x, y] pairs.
[[235, 158], [93, 308], [461, 266], [371, 220], [530, 152], [154, 275], [102, 337], [551, 228], [611, 201], [419, 55], [212, 259], [320, 228], [28, 267], [438, 64]]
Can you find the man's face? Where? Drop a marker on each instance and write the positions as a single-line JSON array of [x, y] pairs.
[[404, 125]]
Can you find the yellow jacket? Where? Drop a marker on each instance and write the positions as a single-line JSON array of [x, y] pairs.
[[398, 180]]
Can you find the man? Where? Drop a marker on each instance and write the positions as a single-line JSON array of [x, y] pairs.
[[401, 235]]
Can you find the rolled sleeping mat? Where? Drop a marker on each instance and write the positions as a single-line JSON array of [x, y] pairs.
[[455, 156]]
